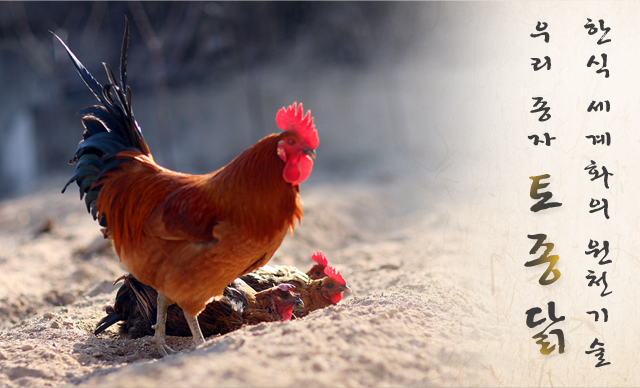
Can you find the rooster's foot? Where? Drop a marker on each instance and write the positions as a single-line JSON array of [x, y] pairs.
[[161, 346], [159, 338], [198, 338]]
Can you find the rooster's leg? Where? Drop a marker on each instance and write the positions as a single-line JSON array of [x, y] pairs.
[[198, 338], [159, 339]]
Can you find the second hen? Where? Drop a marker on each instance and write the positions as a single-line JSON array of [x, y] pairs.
[[317, 289], [270, 275], [135, 307]]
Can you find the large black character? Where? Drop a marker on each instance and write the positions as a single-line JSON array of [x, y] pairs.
[[541, 336], [544, 258], [543, 197]]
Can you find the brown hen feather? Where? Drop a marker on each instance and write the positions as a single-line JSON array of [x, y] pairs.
[[315, 293], [135, 309]]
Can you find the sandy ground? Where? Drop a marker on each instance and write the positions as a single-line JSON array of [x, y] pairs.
[[416, 316]]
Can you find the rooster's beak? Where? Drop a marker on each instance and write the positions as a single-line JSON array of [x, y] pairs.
[[311, 153], [345, 289]]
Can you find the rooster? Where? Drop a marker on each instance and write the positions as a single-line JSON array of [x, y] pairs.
[[135, 307], [187, 236]]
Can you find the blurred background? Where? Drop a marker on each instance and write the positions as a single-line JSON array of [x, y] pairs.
[[207, 79]]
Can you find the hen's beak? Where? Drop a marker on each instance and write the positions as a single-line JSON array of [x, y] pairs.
[[311, 153], [298, 301], [344, 289]]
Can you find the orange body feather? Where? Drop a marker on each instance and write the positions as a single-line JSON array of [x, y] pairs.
[[188, 236]]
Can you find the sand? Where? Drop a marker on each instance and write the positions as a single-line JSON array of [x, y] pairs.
[[415, 317]]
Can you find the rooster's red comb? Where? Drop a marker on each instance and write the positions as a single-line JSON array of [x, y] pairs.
[[286, 287], [320, 258], [292, 119], [335, 275]]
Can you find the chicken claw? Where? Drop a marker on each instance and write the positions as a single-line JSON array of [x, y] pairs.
[[160, 338], [162, 347]]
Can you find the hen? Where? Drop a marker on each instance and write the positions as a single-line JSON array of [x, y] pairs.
[[270, 275], [317, 271], [135, 307], [187, 236], [316, 292]]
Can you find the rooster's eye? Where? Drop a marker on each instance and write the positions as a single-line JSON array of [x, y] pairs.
[[292, 142], [330, 285]]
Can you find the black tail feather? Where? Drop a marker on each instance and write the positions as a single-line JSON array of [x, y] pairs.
[[110, 128], [146, 298], [107, 321], [136, 308], [88, 79]]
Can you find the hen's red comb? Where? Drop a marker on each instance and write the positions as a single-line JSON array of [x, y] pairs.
[[285, 287], [320, 258], [335, 275], [291, 119]]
